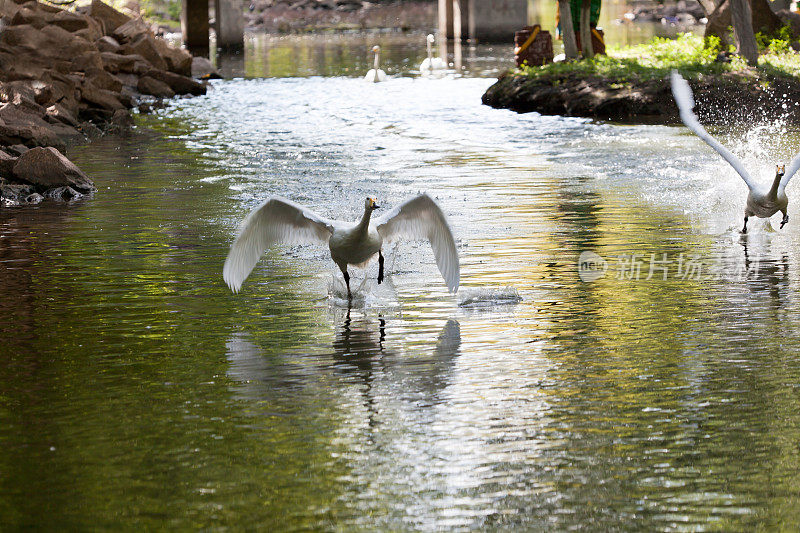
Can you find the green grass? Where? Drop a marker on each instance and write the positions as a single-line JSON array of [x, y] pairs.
[[688, 54], [161, 11]]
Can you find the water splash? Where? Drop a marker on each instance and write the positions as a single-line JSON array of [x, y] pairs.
[[365, 294], [488, 297]]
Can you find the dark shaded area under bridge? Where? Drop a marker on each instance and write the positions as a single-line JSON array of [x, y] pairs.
[[476, 20]]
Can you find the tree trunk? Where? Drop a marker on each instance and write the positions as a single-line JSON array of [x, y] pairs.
[[586, 31], [567, 31], [764, 20], [742, 18], [708, 6]]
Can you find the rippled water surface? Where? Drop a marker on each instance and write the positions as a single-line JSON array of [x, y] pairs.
[[137, 391]]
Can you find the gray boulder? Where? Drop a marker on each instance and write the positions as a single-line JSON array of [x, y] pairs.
[[154, 87], [65, 194], [34, 198], [131, 30], [100, 98], [109, 18], [178, 60], [202, 68], [107, 43], [57, 112], [7, 162], [179, 84], [24, 124], [144, 45], [47, 168], [15, 193]]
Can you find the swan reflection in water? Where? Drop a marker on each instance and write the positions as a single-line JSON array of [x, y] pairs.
[[766, 273], [361, 355], [380, 369]]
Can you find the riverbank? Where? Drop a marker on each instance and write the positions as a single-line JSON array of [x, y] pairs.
[[66, 77], [630, 85]]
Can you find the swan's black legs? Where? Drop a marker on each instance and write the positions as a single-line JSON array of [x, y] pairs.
[[784, 220], [380, 266], [744, 229], [346, 281]]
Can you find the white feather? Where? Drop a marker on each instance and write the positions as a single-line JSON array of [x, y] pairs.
[[683, 97], [375, 75], [276, 220], [421, 218], [791, 170], [433, 63]]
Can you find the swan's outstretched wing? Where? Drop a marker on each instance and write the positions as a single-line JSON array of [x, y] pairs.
[[275, 220], [683, 97], [421, 218], [791, 170]]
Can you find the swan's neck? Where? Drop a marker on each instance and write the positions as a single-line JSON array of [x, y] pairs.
[[363, 224], [377, 62], [773, 191], [430, 53]]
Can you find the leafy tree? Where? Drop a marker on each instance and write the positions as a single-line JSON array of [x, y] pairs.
[[762, 19]]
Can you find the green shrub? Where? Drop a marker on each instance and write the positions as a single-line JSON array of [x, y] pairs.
[[689, 54]]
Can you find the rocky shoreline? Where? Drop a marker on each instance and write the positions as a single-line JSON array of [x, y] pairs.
[[722, 96], [66, 77]]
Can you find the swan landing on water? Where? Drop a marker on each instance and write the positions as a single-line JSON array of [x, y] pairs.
[[760, 202], [281, 220]]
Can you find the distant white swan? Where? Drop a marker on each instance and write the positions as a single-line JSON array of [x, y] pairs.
[[430, 63], [761, 202], [281, 220], [375, 74]]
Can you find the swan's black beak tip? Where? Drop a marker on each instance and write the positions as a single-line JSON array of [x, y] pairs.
[[375, 206]]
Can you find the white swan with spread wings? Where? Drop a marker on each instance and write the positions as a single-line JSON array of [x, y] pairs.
[[280, 220], [761, 202]]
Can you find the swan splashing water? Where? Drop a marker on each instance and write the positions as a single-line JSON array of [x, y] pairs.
[[761, 202], [281, 220]]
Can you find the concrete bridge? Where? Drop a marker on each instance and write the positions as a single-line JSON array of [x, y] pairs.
[[482, 20], [476, 20], [229, 24]]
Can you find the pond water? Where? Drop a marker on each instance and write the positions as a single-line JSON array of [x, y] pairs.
[[660, 392]]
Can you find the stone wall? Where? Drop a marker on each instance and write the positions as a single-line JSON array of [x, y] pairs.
[[66, 76]]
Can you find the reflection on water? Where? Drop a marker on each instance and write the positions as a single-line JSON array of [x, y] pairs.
[[136, 390], [349, 54]]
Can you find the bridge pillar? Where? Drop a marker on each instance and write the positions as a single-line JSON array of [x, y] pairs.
[[495, 20], [194, 25], [229, 17], [446, 18]]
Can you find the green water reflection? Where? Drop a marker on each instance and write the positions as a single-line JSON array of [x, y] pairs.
[[137, 392]]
